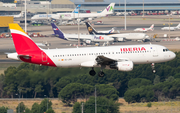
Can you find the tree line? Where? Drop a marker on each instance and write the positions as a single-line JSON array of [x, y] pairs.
[[68, 84], [44, 107]]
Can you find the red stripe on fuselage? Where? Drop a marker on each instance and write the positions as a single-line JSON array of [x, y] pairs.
[[25, 46]]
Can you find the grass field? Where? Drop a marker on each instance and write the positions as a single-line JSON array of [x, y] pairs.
[[58, 106]]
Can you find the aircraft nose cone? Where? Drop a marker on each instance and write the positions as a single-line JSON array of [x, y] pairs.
[[173, 55]]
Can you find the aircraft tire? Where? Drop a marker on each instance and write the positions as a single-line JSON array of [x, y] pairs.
[[101, 74], [92, 72]]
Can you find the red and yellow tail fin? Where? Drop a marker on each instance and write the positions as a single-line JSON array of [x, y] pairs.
[[22, 41]]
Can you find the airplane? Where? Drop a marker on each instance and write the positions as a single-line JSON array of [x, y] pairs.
[[18, 15], [53, 16], [88, 39], [145, 29], [119, 36], [121, 58], [88, 16], [171, 28]]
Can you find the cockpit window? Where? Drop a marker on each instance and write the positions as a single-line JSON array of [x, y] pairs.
[[164, 50]]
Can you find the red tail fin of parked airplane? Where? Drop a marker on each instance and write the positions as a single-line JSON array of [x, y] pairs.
[[27, 50]]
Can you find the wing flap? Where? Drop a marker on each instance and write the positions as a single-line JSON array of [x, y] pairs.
[[103, 60]]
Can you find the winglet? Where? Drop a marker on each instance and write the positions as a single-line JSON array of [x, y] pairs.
[[22, 41]]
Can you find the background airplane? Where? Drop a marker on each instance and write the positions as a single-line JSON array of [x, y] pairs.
[[21, 14], [121, 58], [53, 16], [88, 16], [119, 36], [171, 28], [145, 29], [88, 39]]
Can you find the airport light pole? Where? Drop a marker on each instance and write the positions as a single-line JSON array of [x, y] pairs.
[[21, 9], [169, 25], [78, 29], [47, 101], [143, 8], [25, 17], [18, 102], [95, 101], [125, 15], [19, 99]]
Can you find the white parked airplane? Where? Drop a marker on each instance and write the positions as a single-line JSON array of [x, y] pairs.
[[171, 28], [53, 16], [119, 36], [18, 15], [88, 16], [88, 39], [121, 57], [145, 29], [108, 31]]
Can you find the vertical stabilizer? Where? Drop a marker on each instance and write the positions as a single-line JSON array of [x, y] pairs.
[[90, 29], [109, 9], [178, 26], [76, 10], [57, 31], [22, 41], [152, 27]]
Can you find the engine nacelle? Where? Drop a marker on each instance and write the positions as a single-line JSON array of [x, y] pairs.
[[89, 19], [122, 66], [88, 41], [88, 64], [120, 39]]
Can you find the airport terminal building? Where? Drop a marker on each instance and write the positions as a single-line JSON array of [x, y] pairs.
[[57, 6]]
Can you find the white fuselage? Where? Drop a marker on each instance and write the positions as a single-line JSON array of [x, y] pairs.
[[45, 16], [71, 16], [68, 16], [131, 36], [74, 57], [93, 38], [142, 29], [169, 28]]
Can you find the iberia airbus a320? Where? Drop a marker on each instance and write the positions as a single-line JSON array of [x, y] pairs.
[[121, 57]]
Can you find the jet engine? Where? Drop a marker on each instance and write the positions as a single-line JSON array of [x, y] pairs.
[[122, 66], [90, 19], [120, 39], [88, 41]]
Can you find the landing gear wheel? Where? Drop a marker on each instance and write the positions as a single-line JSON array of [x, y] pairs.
[[101, 74], [92, 72]]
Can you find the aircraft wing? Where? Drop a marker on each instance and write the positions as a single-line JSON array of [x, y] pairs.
[[103, 60]]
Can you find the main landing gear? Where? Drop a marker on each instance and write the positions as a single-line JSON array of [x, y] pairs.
[[153, 68], [100, 74], [92, 72]]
